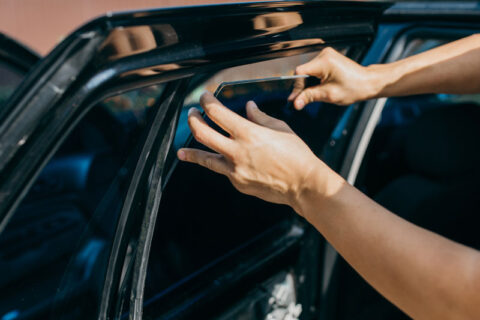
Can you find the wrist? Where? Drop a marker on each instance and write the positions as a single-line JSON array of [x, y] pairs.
[[382, 79], [317, 190]]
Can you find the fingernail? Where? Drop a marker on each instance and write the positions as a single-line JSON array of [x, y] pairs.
[[191, 110], [300, 104], [181, 154], [253, 104]]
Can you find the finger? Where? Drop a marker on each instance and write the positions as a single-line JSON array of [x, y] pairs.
[[207, 136], [318, 66], [256, 115], [222, 116], [298, 86], [212, 161], [307, 96], [311, 68]]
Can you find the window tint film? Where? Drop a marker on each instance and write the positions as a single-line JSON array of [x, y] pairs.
[[10, 78], [54, 251], [202, 219]]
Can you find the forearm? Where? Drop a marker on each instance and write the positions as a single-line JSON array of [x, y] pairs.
[[424, 274], [451, 68]]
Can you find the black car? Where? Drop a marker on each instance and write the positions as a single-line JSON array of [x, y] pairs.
[[98, 220]]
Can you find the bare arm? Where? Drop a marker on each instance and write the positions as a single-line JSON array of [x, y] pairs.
[[451, 68], [424, 274]]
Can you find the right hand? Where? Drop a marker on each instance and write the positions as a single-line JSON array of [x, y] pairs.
[[261, 156], [342, 80]]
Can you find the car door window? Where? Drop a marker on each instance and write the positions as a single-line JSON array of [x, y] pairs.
[[202, 218], [54, 251]]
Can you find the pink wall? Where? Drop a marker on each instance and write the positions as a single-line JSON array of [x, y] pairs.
[[40, 24]]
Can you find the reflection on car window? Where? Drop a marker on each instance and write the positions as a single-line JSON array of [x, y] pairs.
[[54, 251], [10, 78], [259, 70], [202, 218]]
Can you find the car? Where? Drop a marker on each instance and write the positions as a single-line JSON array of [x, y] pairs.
[[98, 219]]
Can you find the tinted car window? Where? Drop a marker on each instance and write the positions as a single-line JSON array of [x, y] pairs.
[[54, 251], [202, 218]]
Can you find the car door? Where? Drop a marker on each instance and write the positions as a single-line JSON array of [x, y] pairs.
[[170, 51]]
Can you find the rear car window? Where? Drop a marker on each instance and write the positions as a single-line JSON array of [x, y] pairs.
[[54, 251]]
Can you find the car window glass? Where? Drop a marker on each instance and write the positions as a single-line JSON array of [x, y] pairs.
[[202, 219], [259, 70], [10, 78], [54, 251]]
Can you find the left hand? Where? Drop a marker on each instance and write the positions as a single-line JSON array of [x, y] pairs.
[[262, 156]]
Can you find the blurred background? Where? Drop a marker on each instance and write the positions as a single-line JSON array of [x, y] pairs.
[[40, 24]]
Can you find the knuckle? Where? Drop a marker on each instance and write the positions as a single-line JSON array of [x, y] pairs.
[[308, 95], [238, 178], [198, 135], [334, 94], [212, 110], [242, 131], [190, 156], [328, 96], [208, 161], [328, 51]]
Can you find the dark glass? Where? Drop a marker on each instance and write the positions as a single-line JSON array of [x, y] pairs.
[[202, 219], [54, 251], [10, 78]]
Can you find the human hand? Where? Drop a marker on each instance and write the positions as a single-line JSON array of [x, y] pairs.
[[262, 156], [342, 80]]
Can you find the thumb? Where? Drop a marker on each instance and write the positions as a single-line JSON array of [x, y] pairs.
[[257, 116], [307, 96]]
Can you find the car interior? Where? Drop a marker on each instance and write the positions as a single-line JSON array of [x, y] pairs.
[[421, 164], [59, 235]]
